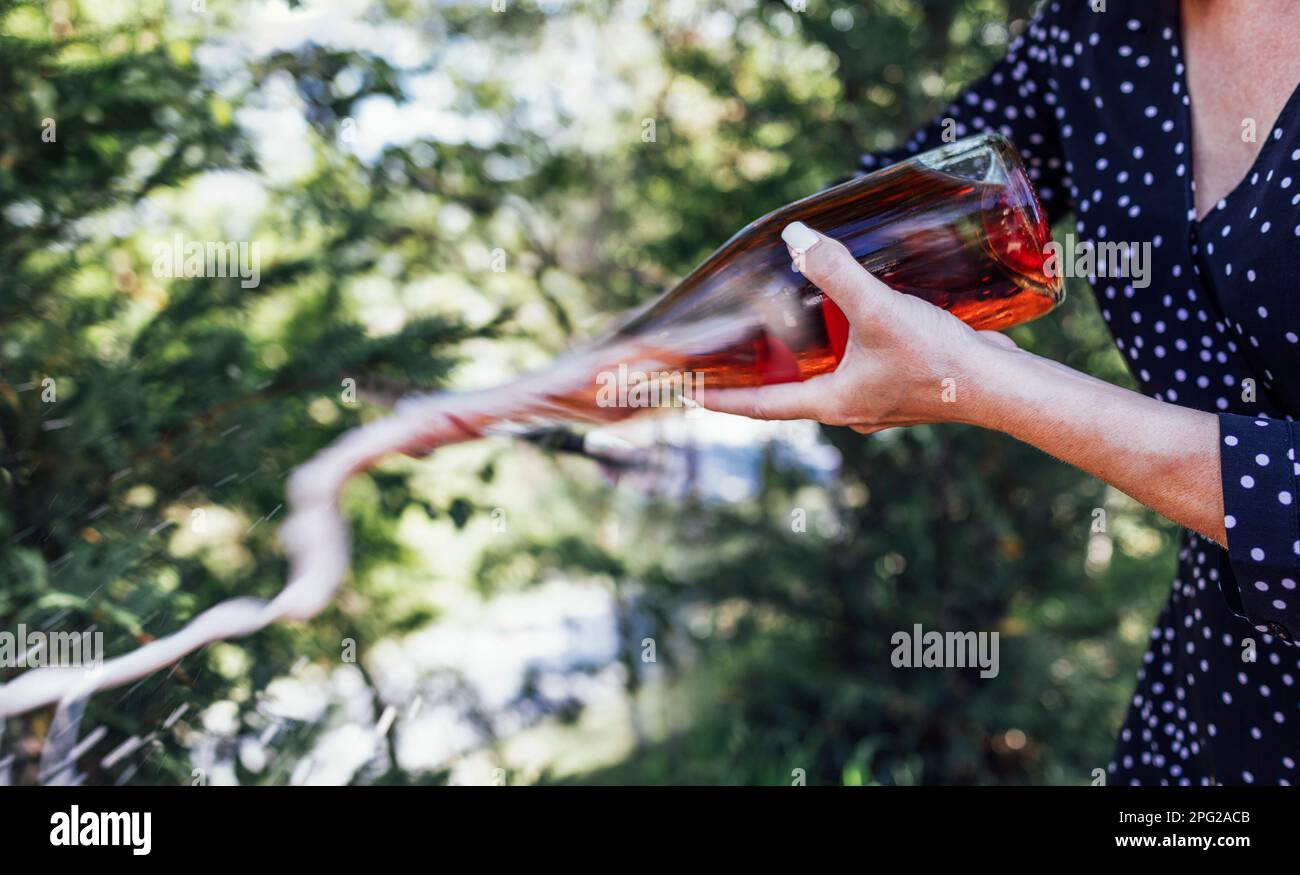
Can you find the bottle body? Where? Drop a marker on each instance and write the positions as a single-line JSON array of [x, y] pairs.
[[959, 226]]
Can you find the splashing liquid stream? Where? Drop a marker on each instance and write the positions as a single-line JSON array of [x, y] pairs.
[[959, 227]]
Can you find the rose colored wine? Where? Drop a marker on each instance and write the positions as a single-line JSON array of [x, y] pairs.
[[960, 227]]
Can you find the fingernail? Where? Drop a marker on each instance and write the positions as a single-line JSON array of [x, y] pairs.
[[799, 236]]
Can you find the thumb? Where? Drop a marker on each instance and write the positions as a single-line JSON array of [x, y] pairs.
[[833, 269]]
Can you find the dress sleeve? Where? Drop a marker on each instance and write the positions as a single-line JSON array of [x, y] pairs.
[[1018, 99], [1260, 471]]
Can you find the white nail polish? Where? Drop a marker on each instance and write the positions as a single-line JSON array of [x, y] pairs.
[[799, 236]]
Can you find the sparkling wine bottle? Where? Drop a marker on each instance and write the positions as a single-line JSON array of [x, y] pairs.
[[959, 226]]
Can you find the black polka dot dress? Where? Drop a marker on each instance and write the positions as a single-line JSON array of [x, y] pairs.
[[1097, 104]]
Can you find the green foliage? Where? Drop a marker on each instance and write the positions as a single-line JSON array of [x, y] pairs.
[[147, 423], [184, 395], [951, 528]]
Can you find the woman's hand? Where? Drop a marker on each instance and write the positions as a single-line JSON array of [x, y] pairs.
[[907, 361]]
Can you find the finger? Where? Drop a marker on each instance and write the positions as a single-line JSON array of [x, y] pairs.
[[782, 401], [997, 338], [834, 270]]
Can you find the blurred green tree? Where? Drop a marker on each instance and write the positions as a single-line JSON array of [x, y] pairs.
[[176, 396], [950, 528], [147, 422]]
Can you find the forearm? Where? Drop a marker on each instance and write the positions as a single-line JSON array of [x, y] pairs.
[[907, 362], [1163, 455]]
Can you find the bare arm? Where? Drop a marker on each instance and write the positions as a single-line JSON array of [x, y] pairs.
[[909, 362], [1163, 455]]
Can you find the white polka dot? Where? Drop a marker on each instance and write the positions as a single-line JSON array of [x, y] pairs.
[[1212, 322]]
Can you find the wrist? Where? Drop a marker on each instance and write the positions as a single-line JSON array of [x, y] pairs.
[[999, 383]]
